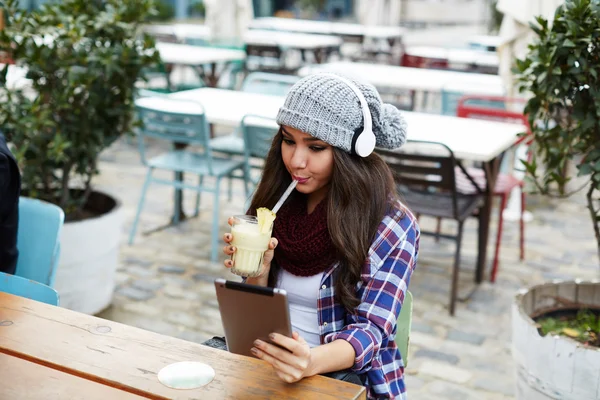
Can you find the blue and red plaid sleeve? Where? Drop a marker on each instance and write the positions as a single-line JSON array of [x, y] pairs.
[[385, 280]]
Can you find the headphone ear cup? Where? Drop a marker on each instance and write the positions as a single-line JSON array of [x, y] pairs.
[[364, 142]]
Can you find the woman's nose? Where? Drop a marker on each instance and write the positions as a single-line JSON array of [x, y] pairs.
[[299, 159]]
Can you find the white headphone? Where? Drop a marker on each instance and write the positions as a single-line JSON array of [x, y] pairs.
[[363, 142]]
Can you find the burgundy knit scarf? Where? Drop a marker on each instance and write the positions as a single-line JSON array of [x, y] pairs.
[[305, 247]]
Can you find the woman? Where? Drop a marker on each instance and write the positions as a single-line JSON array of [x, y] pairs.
[[343, 245]]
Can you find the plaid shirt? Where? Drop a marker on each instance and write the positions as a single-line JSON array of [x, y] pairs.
[[372, 328]]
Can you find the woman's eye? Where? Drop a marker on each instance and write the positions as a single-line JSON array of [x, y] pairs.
[[288, 141], [317, 148]]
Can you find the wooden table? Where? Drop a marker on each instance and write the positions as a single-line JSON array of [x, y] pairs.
[[68, 352], [197, 57], [469, 139]]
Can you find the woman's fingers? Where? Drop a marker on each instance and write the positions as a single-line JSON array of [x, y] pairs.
[[230, 221], [228, 237], [273, 243]]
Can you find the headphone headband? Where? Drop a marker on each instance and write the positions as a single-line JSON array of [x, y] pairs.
[[363, 142]]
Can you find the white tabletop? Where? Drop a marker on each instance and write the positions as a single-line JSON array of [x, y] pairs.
[[326, 27], [422, 79], [182, 54], [302, 41], [461, 56], [470, 139], [181, 31]]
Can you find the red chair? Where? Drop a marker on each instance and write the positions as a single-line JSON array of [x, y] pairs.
[[486, 107], [422, 62]]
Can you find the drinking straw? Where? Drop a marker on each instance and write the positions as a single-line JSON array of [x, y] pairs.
[[284, 197]]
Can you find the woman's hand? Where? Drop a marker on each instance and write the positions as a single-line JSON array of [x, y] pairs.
[[290, 365], [229, 250]]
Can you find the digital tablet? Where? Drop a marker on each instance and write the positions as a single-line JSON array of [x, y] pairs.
[[251, 312]]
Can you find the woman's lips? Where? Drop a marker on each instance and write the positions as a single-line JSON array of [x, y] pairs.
[[300, 180]]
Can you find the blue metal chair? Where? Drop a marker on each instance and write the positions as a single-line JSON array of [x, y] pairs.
[[28, 288], [38, 240], [450, 101], [182, 122], [258, 133], [269, 83]]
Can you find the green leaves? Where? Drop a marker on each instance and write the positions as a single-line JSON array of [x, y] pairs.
[[83, 57], [560, 76]]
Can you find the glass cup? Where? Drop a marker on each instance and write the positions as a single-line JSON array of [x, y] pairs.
[[250, 245]]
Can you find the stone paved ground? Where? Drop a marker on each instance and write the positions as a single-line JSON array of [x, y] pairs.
[[165, 282]]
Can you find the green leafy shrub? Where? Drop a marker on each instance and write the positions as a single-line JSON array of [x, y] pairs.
[[83, 58], [561, 73]]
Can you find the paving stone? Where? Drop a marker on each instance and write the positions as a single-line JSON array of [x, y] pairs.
[[437, 355], [148, 286], [182, 318], [413, 383], [137, 261], [142, 272], [453, 391], [204, 277], [134, 293], [171, 269], [496, 383], [416, 326], [460, 336], [445, 371]]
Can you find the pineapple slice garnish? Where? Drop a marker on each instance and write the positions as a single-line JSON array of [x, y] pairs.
[[265, 219]]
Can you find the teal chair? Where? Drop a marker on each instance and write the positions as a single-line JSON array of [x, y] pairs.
[[450, 100], [269, 83], [38, 240], [28, 288], [258, 133], [403, 327], [182, 122]]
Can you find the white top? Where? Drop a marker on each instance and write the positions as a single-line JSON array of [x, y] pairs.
[[303, 292], [469, 139], [183, 54], [428, 80], [301, 41], [326, 27], [459, 56]]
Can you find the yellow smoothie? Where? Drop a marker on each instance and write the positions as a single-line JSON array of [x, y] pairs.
[[251, 237]]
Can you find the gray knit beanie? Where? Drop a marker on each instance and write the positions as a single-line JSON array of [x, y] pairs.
[[328, 109]]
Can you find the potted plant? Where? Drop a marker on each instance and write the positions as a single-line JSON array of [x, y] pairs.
[[83, 58], [556, 325]]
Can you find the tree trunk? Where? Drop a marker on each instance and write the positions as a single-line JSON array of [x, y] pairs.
[[595, 214]]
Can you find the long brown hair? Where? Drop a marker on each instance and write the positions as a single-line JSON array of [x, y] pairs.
[[361, 192]]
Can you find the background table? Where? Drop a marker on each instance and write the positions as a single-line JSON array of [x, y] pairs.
[[197, 57], [128, 359], [420, 79], [458, 56]]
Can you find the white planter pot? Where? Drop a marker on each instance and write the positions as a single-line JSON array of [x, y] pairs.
[[554, 367], [85, 278]]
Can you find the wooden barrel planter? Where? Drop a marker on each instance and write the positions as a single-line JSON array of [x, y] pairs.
[[554, 367]]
